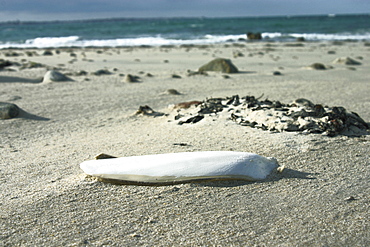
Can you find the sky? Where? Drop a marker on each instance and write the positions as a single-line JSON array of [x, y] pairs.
[[47, 10]]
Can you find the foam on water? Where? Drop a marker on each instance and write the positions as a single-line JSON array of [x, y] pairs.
[[75, 41]]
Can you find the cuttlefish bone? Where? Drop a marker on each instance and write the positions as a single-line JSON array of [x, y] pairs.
[[183, 167]]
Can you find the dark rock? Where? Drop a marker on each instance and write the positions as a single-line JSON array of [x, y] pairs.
[[8, 110], [47, 53], [146, 110], [254, 36], [5, 63], [12, 54], [194, 119], [176, 76], [317, 66], [102, 72], [219, 64], [132, 78]]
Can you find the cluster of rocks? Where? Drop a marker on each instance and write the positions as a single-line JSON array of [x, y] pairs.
[[301, 115]]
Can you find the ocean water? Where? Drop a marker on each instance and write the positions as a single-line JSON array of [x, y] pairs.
[[177, 31]]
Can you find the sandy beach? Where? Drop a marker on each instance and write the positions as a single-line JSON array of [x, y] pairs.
[[320, 199]]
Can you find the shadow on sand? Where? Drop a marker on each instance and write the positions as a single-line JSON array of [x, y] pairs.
[[14, 79]]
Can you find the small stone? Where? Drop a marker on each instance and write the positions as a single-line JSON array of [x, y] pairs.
[[102, 72], [350, 198], [317, 66], [219, 64], [176, 76], [8, 110], [104, 156], [55, 76], [346, 61], [172, 92], [132, 78], [47, 53]]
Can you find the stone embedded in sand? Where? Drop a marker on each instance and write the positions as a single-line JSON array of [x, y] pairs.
[[102, 72], [346, 61], [132, 78], [171, 92], [55, 76], [219, 64], [5, 63], [317, 66], [8, 110], [148, 111]]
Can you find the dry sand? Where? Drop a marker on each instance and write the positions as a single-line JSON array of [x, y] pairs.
[[321, 198]]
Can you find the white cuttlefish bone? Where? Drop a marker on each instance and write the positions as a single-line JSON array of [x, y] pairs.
[[172, 168]]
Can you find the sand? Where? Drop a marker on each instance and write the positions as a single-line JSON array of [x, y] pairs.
[[320, 199]]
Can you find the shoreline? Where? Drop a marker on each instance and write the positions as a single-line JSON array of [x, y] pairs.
[[321, 198]]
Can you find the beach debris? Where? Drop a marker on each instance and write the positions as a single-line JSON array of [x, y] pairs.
[[132, 78], [187, 104], [219, 64], [102, 72], [254, 36], [55, 76], [301, 115], [147, 111], [174, 168], [175, 76], [102, 156], [171, 92], [276, 73], [346, 61], [8, 110]]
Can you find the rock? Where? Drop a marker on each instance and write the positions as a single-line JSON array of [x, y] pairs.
[[132, 78], [8, 110], [317, 66], [219, 64], [254, 36], [346, 61], [176, 76], [171, 91], [47, 53], [102, 72], [32, 65], [147, 111], [5, 63], [55, 76]]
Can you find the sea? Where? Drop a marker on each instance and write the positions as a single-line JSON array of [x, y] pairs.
[[123, 32]]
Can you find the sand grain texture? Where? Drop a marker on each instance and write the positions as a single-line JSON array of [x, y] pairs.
[[320, 199]]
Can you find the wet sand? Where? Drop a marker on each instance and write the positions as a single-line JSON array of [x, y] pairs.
[[321, 198]]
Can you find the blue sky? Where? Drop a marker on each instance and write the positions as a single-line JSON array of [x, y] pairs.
[[38, 10]]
